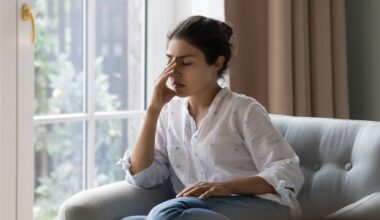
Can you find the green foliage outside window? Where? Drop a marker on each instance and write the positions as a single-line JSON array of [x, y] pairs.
[[59, 89]]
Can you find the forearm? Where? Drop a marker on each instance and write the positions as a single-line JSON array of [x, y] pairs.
[[143, 153], [249, 186]]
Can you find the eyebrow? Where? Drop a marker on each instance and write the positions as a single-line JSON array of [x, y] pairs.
[[180, 57]]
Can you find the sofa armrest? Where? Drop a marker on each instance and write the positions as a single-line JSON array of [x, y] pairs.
[[366, 208], [113, 202]]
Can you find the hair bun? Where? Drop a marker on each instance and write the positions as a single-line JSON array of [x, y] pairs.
[[227, 30]]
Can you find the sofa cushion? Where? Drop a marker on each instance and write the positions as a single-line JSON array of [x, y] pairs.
[[366, 208], [339, 158]]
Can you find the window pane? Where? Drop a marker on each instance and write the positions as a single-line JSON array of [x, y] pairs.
[[58, 166], [59, 57], [119, 57], [113, 136]]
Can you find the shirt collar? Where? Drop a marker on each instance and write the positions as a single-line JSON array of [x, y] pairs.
[[215, 102]]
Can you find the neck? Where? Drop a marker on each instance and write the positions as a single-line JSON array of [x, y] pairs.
[[201, 101]]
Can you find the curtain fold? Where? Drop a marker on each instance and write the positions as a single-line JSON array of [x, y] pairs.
[[291, 55]]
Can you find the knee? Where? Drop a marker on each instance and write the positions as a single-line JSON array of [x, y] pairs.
[[162, 213], [166, 210]]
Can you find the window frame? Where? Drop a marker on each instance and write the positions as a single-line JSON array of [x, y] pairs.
[[89, 116], [8, 108]]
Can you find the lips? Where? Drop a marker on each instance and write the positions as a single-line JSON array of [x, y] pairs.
[[178, 84]]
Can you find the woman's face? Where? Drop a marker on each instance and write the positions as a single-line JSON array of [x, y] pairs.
[[192, 74]]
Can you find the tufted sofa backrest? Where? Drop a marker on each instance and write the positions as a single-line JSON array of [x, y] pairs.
[[339, 158]]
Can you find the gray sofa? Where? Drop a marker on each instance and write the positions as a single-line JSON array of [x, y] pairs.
[[339, 158]]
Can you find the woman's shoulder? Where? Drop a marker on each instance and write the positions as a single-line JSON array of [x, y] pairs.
[[247, 108], [243, 102]]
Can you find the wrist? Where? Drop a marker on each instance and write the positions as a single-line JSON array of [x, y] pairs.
[[229, 185], [155, 111]]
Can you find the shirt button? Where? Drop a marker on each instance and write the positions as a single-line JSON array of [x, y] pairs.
[[316, 167], [348, 166], [178, 166]]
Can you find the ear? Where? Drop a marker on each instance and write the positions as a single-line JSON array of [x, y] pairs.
[[219, 63]]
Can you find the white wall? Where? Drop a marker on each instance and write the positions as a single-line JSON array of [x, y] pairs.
[[363, 48], [209, 8]]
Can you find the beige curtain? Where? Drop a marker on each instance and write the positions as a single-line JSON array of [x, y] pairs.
[[290, 55]]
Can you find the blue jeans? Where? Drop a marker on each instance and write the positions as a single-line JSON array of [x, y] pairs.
[[238, 207]]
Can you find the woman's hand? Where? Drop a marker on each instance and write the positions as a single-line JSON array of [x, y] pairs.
[[205, 190], [162, 94]]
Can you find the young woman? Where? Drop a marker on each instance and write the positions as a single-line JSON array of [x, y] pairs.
[[219, 148]]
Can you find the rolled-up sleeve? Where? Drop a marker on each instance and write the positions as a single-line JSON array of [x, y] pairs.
[[158, 171], [276, 161]]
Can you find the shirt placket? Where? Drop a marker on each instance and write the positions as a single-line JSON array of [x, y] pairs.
[[193, 143]]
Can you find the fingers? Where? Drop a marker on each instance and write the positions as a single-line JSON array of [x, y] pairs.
[[206, 194], [188, 189], [162, 80], [192, 189], [185, 190], [172, 62], [196, 191], [171, 65], [205, 190]]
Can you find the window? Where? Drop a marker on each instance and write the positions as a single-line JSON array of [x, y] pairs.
[[95, 61], [89, 94]]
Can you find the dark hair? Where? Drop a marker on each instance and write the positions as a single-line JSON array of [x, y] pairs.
[[211, 36]]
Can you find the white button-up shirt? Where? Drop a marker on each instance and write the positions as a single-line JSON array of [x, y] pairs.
[[235, 139]]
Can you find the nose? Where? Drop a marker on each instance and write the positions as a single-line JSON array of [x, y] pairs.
[[176, 73]]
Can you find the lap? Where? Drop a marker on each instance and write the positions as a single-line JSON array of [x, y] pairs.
[[234, 207]]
